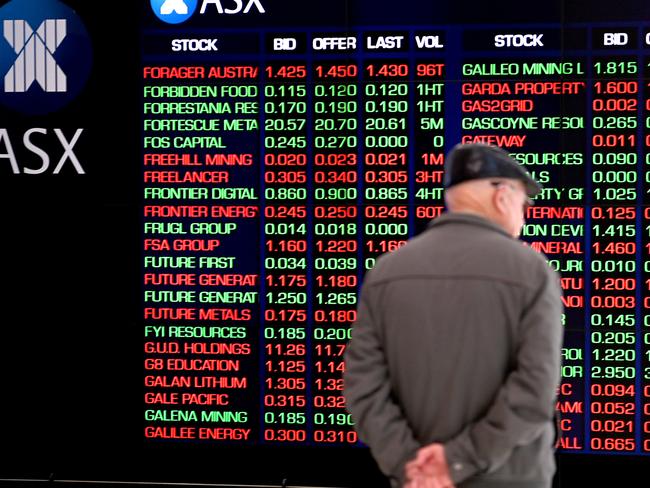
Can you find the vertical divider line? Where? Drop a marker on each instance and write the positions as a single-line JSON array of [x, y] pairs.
[[412, 83], [262, 230], [588, 229], [638, 316], [309, 205]]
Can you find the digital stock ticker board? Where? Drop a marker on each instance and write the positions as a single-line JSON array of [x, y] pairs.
[[281, 156]]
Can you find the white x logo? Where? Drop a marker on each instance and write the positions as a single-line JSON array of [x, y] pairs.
[[35, 60]]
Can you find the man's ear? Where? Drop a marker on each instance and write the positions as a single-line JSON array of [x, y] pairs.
[[500, 201]]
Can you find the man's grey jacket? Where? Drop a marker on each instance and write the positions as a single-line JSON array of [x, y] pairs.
[[458, 340]]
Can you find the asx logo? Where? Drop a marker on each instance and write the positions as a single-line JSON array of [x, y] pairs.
[[45, 56], [177, 11]]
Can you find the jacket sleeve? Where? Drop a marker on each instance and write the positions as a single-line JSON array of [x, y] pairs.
[[525, 405], [378, 419]]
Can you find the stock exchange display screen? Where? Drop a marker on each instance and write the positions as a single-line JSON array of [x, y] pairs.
[[286, 145]]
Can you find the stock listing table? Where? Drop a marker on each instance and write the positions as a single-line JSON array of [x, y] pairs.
[[278, 164]]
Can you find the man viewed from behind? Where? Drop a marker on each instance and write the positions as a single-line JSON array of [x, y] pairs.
[[454, 361]]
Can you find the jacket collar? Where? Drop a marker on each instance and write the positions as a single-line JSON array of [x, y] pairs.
[[467, 219]]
